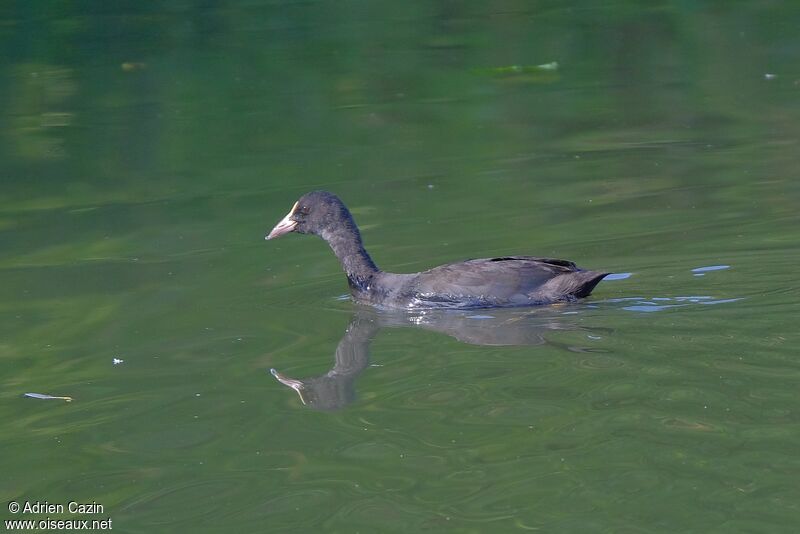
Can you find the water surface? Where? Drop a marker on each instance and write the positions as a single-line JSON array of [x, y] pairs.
[[147, 150]]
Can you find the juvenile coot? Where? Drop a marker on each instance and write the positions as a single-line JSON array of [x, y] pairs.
[[481, 283]]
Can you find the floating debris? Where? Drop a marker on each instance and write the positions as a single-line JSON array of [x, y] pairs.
[[130, 66], [520, 69], [118, 361], [46, 397], [546, 72]]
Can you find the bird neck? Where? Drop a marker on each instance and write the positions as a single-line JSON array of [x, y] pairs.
[[354, 259]]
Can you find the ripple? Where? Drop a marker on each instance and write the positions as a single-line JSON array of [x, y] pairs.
[[430, 397], [371, 450], [516, 413], [470, 475], [179, 437], [721, 301], [657, 304], [710, 268], [600, 362], [366, 513], [294, 508], [687, 424], [648, 307], [591, 350], [170, 503]]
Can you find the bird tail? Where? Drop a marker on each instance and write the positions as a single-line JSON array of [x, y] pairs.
[[585, 282]]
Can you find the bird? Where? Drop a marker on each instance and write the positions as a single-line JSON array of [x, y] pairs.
[[505, 281]]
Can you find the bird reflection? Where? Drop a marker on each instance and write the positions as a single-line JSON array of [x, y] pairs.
[[497, 327]]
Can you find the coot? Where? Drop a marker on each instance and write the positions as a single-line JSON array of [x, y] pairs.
[[489, 282]]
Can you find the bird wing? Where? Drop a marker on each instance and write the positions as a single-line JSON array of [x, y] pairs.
[[505, 279]]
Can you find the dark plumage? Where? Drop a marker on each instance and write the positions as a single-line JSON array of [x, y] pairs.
[[481, 283]]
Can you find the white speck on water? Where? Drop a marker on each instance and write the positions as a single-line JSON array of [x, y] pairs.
[[770, 76], [117, 361]]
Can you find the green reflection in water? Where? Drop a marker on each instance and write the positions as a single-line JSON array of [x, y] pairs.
[[147, 149]]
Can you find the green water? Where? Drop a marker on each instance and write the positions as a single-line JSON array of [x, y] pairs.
[[145, 152]]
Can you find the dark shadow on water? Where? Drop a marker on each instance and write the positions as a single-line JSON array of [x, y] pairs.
[[497, 327]]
